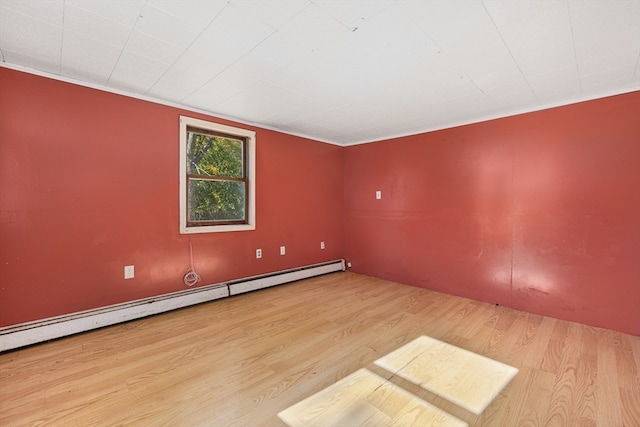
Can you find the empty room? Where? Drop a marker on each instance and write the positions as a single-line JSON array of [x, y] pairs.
[[320, 213]]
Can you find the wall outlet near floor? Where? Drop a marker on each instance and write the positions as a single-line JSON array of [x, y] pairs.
[[128, 272], [258, 253], [378, 195], [349, 265], [321, 245], [282, 250]]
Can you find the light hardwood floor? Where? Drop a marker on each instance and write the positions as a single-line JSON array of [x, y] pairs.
[[242, 360]]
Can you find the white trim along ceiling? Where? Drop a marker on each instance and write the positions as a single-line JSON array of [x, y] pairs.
[[339, 71]]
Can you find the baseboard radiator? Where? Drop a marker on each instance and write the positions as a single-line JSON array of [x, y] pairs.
[[24, 334]]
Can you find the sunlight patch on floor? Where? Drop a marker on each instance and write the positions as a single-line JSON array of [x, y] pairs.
[[364, 398], [465, 378]]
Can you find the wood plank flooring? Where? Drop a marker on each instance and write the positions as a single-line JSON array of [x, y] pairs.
[[242, 360]]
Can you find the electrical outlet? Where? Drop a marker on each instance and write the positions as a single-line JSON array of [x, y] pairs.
[[321, 245], [128, 272], [258, 253], [282, 250], [378, 195], [349, 264]]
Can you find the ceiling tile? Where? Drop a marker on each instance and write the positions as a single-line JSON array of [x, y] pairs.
[[178, 83], [262, 67], [123, 12], [168, 28], [437, 18], [288, 119], [50, 11], [248, 32], [99, 28], [543, 41], [226, 85], [554, 75], [622, 78], [558, 90], [505, 12], [214, 51], [312, 28], [274, 13], [602, 18], [396, 36], [317, 125], [258, 102], [351, 65], [500, 80], [75, 51], [33, 62], [353, 13], [600, 30], [316, 95], [280, 49], [198, 12], [607, 62], [598, 50], [158, 50], [510, 100], [136, 73], [31, 37], [208, 58]]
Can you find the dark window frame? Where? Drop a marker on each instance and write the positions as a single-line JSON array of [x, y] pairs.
[[244, 179]]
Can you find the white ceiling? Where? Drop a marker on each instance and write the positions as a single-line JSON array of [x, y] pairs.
[[344, 72]]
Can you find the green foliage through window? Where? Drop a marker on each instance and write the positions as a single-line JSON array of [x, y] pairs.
[[216, 178]]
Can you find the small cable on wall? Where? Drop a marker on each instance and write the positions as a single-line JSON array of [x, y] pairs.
[[191, 277]]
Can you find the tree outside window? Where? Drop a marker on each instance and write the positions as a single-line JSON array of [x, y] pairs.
[[217, 184], [216, 177]]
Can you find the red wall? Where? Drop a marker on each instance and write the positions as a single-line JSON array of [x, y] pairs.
[[539, 212], [89, 184]]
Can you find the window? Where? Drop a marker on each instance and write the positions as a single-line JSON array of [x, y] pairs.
[[217, 177]]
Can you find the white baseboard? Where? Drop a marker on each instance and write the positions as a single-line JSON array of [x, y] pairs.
[[16, 336]]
